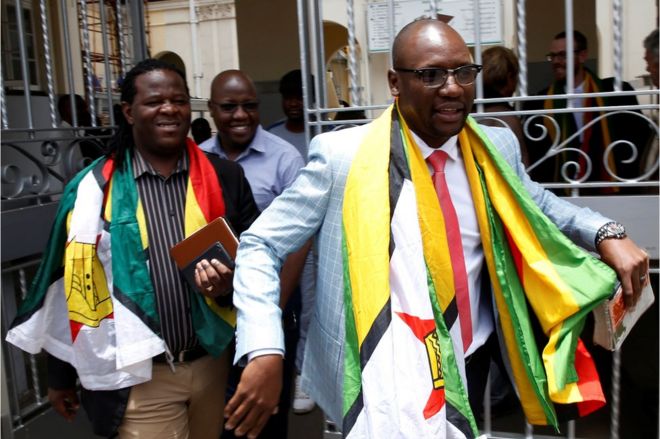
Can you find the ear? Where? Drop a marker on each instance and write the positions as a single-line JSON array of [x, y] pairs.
[[126, 109], [393, 81]]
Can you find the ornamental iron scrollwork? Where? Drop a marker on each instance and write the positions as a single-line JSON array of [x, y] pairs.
[[628, 150], [26, 173]]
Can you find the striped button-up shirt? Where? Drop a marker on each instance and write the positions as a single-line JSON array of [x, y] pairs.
[[163, 200]]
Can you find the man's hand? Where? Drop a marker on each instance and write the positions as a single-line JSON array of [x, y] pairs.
[[213, 278], [256, 396], [631, 264], [65, 402]]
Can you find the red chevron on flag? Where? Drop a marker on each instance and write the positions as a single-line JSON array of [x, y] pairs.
[[425, 332]]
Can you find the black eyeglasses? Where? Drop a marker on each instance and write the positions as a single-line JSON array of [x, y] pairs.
[[561, 55], [230, 107], [437, 77]]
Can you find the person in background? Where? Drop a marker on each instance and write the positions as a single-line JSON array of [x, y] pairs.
[[592, 140], [271, 165], [500, 79], [109, 304], [650, 159], [639, 360], [292, 127], [349, 115], [90, 148], [200, 129], [416, 276]]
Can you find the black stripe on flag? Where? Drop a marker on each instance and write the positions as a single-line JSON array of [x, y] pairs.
[[351, 416], [451, 313], [398, 171], [456, 418], [98, 174], [135, 309], [378, 328]]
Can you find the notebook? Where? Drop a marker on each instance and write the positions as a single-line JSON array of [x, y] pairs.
[[215, 240], [613, 321]]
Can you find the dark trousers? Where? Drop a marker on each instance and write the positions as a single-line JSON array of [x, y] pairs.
[[277, 425], [477, 366]]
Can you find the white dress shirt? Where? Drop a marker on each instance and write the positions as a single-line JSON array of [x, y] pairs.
[[461, 197]]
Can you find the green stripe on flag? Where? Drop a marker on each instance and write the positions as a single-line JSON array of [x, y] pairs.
[[514, 296], [127, 254], [454, 390], [352, 372], [52, 259]]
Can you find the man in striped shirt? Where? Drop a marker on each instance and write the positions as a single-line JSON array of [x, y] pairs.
[[185, 396]]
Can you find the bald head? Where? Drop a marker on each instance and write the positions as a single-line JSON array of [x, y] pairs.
[[435, 112], [406, 39], [230, 79], [235, 110]]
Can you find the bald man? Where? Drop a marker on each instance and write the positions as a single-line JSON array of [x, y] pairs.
[[270, 163], [405, 321]]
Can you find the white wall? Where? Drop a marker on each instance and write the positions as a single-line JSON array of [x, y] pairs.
[[263, 36], [170, 30], [639, 19]]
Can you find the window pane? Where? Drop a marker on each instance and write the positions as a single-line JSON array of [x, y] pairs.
[[11, 14], [33, 72], [16, 69]]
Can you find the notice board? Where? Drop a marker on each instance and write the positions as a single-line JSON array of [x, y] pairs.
[[462, 11]]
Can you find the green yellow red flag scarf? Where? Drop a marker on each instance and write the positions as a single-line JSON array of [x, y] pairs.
[[537, 274], [93, 286], [567, 126]]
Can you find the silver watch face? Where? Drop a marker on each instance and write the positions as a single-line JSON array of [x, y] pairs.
[[616, 229]]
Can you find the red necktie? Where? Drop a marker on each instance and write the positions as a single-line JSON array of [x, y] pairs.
[[437, 160]]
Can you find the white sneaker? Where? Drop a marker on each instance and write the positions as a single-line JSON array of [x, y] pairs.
[[302, 403]]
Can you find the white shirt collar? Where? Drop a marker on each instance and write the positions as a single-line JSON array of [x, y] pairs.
[[450, 146]]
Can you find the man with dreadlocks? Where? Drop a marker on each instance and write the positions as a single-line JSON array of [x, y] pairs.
[[108, 303], [435, 248]]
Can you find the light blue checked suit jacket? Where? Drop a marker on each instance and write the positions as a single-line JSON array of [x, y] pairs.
[[312, 207]]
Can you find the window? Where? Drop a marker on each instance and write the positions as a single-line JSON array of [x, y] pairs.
[[12, 73]]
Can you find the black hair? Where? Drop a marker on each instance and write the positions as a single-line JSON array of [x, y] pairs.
[[651, 44], [578, 37], [64, 101], [291, 84], [123, 138], [200, 130]]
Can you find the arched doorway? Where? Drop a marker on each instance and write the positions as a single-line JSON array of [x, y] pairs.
[[335, 41], [172, 58]]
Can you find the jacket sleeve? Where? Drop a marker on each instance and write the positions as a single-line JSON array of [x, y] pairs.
[[580, 224], [61, 375], [288, 222], [240, 207]]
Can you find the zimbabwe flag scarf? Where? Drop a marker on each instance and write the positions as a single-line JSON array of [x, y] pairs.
[[595, 136], [92, 303], [403, 365]]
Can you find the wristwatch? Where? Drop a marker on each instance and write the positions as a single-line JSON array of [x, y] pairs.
[[611, 230]]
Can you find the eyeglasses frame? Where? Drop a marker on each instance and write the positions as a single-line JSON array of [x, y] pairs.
[[236, 105], [420, 72]]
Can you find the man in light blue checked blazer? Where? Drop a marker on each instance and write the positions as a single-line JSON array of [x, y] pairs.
[[435, 98]]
